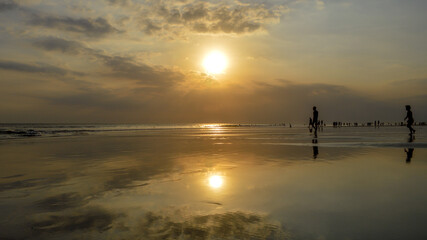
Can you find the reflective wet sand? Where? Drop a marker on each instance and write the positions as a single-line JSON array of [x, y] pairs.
[[215, 183]]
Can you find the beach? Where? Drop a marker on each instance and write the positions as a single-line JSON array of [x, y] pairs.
[[212, 182]]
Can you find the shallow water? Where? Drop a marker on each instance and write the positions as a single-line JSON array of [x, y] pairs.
[[215, 183]]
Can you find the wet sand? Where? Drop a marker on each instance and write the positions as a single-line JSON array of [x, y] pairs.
[[216, 183]]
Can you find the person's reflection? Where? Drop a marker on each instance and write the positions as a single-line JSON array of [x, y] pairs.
[[315, 152], [409, 151], [315, 148]]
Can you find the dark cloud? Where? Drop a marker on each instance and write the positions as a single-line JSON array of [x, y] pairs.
[[95, 219], [117, 66], [35, 68], [125, 67], [209, 18], [98, 27], [8, 5], [150, 27], [195, 12], [120, 2], [59, 44]]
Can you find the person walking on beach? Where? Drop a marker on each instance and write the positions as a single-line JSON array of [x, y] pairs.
[[410, 119], [315, 118]]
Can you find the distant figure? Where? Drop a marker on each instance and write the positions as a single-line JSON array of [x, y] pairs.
[[310, 125], [410, 119], [315, 119]]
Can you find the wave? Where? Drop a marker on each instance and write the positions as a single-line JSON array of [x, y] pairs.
[[8, 131]]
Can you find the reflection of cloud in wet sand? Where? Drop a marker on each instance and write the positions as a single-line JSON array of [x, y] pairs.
[[92, 218], [62, 201], [230, 225], [90, 222]]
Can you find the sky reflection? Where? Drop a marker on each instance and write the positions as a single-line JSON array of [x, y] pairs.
[[109, 187]]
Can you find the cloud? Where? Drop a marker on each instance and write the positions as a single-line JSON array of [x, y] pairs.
[[152, 76], [35, 68], [59, 44], [206, 18], [120, 2], [418, 82], [90, 27], [169, 95], [8, 5], [117, 66]]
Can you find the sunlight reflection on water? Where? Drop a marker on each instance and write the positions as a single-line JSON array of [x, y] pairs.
[[216, 181]]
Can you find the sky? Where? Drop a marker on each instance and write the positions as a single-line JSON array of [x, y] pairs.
[[141, 61]]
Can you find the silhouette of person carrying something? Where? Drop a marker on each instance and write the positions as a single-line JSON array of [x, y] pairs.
[[410, 119]]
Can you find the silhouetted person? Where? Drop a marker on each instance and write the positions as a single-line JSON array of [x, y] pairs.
[[410, 119], [315, 116], [310, 125], [315, 120], [409, 153]]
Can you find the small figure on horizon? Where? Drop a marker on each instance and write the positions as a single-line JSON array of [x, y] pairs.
[[410, 119], [310, 125]]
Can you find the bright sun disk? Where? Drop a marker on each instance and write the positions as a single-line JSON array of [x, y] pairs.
[[215, 62], [215, 181]]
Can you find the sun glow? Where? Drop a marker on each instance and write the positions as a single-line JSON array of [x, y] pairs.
[[215, 62], [215, 181]]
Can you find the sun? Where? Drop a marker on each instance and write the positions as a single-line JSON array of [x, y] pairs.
[[215, 62], [215, 181]]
